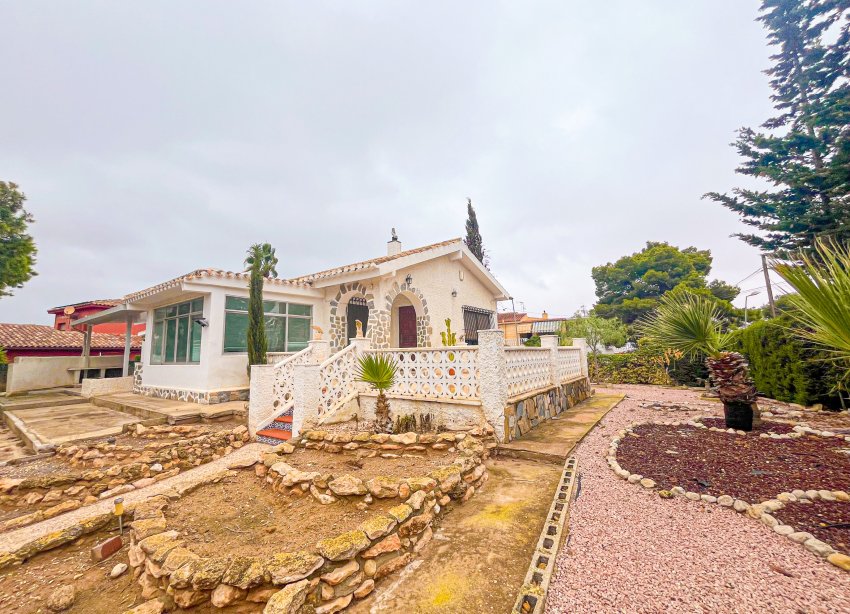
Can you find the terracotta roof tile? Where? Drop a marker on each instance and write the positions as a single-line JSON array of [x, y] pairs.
[[200, 274], [106, 302], [510, 317], [365, 264], [36, 336]]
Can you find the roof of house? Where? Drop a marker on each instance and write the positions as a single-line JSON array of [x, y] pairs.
[[107, 302], [200, 274], [365, 264], [37, 336], [511, 317]]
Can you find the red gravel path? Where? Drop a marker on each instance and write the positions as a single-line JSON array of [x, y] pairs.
[[631, 551]]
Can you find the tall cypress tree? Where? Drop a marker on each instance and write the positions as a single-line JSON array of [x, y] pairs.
[[473, 235], [804, 151], [261, 262]]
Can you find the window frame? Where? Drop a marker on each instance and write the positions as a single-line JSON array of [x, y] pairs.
[[282, 312], [191, 315]]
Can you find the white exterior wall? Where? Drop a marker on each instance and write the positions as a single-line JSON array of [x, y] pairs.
[[217, 369]]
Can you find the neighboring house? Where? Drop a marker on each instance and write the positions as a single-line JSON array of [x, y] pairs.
[[65, 317], [43, 357], [195, 347], [519, 327]]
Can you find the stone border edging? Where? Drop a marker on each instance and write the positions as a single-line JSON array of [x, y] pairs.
[[757, 511], [532, 595]]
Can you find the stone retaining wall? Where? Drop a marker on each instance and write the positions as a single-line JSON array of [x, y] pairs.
[[329, 577], [114, 469], [524, 414]]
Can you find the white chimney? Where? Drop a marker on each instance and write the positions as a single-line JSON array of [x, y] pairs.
[[394, 245]]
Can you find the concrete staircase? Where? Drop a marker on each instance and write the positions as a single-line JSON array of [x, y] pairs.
[[277, 431]]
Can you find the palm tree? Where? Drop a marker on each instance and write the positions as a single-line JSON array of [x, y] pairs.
[[691, 324], [261, 262], [822, 300], [379, 371]]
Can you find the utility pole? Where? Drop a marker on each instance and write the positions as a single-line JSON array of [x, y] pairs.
[[767, 283]]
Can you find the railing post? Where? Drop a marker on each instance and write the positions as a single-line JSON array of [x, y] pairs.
[[550, 342], [307, 387], [581, 343], [492, 378], [260, 398]]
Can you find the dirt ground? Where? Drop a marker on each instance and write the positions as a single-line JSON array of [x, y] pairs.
[[242, 516]]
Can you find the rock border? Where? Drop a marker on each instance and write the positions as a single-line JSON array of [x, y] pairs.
[[338, 570], [532, 595], [756, 511]]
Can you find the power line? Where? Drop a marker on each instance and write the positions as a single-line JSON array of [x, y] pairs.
[[757, 271]]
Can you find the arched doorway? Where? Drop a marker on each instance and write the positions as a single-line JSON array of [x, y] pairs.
[[405, 321], [357, 310]]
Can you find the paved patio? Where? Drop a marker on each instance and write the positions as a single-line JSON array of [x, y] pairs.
[[173, 412], [53, 425]]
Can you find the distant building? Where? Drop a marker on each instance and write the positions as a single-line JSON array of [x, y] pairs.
[[41, 340], [66, 315], [519, 327]]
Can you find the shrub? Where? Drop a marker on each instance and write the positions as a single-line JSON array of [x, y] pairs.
[[641, 367], [785, 367], [533, 342]]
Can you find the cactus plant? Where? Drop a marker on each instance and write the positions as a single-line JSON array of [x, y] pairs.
[[449, 338]]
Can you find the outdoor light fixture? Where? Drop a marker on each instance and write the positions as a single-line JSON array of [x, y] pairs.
[[203, 322], [119, 512], [454, 292], [408, 280]]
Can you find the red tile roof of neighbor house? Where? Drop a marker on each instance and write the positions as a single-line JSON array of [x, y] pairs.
[[364, 264], [510, 317], [107, 302], [38, 337]]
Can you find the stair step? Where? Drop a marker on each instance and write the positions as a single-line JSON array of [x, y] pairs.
[[284, 418], [278, 434]]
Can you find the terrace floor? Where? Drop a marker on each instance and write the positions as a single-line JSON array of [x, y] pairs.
[[63, 423]]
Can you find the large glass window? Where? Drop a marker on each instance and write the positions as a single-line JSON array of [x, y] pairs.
[[287, 325], [176, 335]]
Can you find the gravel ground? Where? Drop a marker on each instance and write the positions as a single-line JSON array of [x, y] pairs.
[[631, 551]]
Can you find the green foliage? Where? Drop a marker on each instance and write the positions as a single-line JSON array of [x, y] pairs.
[[598, 331], [786, 367], [448, 337], [803, 152], [685, 322], [261, 262], [533, 341], [640, 367], [630, 288], [4, 360], [723, 291], [473, 234], [17, 248], [377, 370], [822, 300]]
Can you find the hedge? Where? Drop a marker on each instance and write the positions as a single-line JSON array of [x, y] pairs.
[[640, 367], [786, 368]]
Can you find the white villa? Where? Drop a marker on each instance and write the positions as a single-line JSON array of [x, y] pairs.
[[195, 346]]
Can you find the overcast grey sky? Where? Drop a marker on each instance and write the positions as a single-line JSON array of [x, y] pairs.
[[153, 138]]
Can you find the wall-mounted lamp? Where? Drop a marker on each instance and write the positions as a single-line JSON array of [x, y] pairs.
[[454, 292], [203, 322], [408, 280]]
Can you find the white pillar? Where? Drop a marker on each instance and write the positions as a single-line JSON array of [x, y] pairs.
[[128, 334], [550, 342], [261, 399], [581, 342], [320, 350], [308, 395], [492, 378], [86, 350]]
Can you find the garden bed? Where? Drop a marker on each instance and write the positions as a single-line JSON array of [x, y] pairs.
[[766, 426], [714, 463], [829, 521]]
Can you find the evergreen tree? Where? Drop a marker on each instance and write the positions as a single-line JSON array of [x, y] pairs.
[[17, 248], [473, 235], [261, 263], [804, 151]]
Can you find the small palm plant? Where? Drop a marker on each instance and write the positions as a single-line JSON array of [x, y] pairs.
[[822, 299], [691, 324], [379, 371]]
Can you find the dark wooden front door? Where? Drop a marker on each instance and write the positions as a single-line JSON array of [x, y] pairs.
[[407, 327], [358, 309]]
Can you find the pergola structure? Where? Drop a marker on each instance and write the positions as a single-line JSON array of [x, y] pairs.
[[125, 313]]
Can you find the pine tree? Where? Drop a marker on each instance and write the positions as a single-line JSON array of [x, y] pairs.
[[17, 248], [261, 262], [473, 235], [804, 151]]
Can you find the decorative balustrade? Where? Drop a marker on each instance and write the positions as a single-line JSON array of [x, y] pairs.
[[568, 365], [528, 370], [447, 373], [339, 380], [283, 390]]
